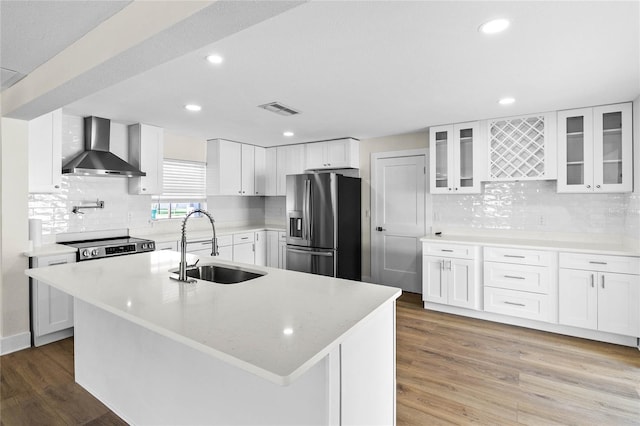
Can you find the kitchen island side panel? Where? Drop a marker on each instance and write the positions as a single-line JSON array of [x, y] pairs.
[[147, 378]]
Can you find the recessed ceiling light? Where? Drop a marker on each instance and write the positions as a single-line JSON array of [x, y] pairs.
[[506, 101], [215, 59], [288, 134], [192, 107], [494, 26]]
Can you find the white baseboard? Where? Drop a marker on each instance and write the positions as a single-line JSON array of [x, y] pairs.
[[15, 343]]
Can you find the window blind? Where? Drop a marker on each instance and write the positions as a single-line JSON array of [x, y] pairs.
[[183, 180]]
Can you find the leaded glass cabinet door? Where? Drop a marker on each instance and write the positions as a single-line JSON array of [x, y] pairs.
[[612, 154], [575, 150], [466, 141], [440, 160]]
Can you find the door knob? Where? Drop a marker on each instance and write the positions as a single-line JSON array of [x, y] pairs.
[[380, 229]]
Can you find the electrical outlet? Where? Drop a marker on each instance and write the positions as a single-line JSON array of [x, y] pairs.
[[542, 221]]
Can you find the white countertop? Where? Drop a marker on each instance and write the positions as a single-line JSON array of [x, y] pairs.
[[50, 250], [202, 234], [242, 324], [616, 249]]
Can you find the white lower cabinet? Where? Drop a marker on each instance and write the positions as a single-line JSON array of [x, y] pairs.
[[260, 248], [282, 250], [597, 298], [273, 251], [243, 248], [52, 309], [167, 245], [202, 247], [452, 280], [521, 283]]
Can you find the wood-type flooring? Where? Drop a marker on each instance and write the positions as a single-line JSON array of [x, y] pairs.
[[450, 370]]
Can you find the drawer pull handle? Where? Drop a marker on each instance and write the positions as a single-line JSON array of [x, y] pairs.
[[62, 262], [514, 277], [244, 238], [603, 281], [597, 263], [514, 255], [447, 250], [592, 280], [515, 304]]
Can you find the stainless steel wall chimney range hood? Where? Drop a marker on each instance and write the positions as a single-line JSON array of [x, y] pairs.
[[96, 160]]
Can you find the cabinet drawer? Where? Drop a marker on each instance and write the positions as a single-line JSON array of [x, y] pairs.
[[521, 256], [457, 251], [245, 237], [519, 304], [536, 279], [598, 262]]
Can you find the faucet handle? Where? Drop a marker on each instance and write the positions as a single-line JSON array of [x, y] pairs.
[[192, 266]]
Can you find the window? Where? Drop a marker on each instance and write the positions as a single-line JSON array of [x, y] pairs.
[[183, 190]]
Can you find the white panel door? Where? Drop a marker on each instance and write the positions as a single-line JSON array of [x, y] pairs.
[[461, 283], [618, 303], [260, 248], [578, 298], [398, 219], [434, 285]]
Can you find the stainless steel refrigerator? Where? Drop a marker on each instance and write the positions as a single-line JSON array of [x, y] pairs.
[[323, 225]]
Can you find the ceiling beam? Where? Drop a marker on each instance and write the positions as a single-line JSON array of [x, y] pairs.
[[141, 36]]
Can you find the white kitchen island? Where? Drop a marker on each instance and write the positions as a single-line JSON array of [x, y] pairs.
[[284, 348]]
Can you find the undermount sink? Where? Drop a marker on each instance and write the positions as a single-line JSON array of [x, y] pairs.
[[220, 274]]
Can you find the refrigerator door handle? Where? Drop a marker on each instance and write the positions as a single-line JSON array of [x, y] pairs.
[[311, 253], [306, 210]]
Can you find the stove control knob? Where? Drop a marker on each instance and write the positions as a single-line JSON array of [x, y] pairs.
[[94, 252], [151, 246], [85, 253]]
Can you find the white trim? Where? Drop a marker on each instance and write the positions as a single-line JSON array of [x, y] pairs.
[[536, 325], [15, 343], [373, 175]]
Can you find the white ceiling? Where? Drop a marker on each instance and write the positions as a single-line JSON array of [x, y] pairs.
[[376, 68]]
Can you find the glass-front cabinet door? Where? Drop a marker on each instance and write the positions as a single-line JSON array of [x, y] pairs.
[[440, 143], [453, 159], [594, 152], [612, 154], [466, 139]]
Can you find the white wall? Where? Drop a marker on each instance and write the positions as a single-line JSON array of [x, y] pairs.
[[14, 285]]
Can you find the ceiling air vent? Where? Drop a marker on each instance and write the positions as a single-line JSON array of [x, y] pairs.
[[279, 108]]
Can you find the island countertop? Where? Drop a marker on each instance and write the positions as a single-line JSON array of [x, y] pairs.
[[276, 326]]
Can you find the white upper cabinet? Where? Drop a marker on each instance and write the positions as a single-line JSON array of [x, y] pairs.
[[522, 148], [290, 161], [260, 168], [595, 149], [271, 171], [230, 168], [454, 161], [335, 154], [146, 151], [248, 170], [45, 153]]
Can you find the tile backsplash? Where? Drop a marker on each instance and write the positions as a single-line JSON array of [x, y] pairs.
[[535, 206], [120, 211]]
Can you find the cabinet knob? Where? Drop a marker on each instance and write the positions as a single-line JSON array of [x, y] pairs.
[[239, 192], [456, 189], [588, 186], [597, 186], [449, 189], [56, 186]]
